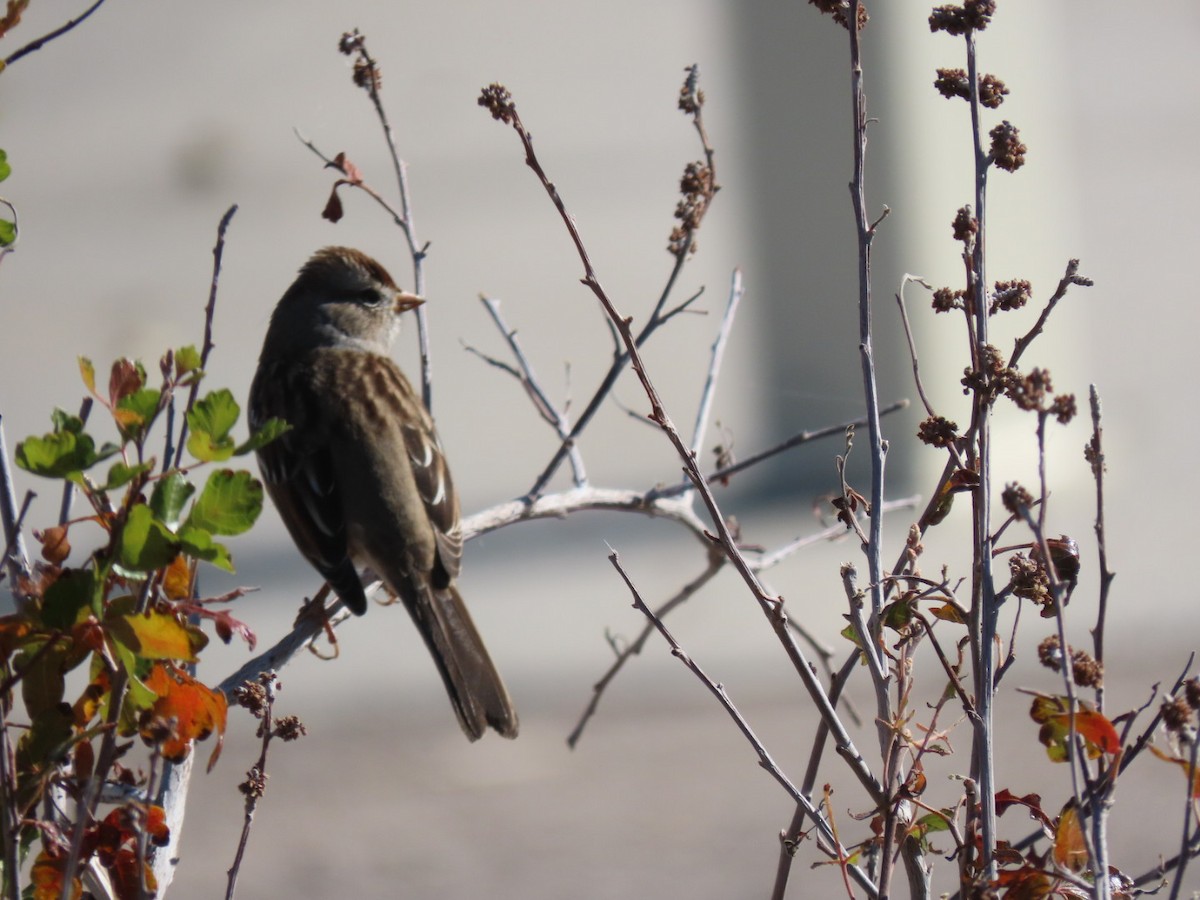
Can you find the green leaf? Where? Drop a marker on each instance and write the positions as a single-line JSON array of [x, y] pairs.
[[65, 451], [121, 474], [270, 430], [87, 372], [64, 421], [47, 739], [897, 614], [210, 421], [850, 633], [135, 412], [64, 599], [5, 168], [140, 696], [934, 822], [199, 544], [170, 493], [8, 233], [43, 683], [145, 543], [229, 504], [187, 361]]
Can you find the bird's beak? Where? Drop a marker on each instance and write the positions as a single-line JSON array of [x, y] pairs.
[[406, 301]]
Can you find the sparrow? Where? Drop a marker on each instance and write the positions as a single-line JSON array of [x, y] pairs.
[[360, 479]]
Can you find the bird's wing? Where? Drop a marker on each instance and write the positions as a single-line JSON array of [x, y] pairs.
[[298, 469], [432, 477]]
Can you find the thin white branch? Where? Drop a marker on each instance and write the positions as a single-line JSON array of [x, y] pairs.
[[714, 365]]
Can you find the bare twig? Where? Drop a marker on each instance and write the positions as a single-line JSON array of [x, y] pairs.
[[262, 690], [499, 101], [210, 310], [682, 242], [1095, 455], [1189, 813], [716, 356], [912, 345], [802, 437], [36, 45], [764, 757], [524, 373], [685, 593], [367, 76], [1071, 277], [68, 493]]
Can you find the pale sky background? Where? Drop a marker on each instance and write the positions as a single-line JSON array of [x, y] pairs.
[[130, 136]]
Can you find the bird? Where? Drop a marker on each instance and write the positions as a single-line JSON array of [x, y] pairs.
[[360, 478]]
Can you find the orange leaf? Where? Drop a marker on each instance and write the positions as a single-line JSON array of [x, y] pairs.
[[90, 700], [177, 581], [197, 711], [947, 612], [1070, 849], [1054, 715], [47, 878], [1096, 729]]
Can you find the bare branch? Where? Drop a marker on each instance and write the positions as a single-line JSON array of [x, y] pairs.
[[716, 356], [1071, 277], [36, 45], [548, 410], [209, 312], [765, 759], [715, 564]]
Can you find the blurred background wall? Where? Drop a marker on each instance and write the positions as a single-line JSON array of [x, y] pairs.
[[130, 136]]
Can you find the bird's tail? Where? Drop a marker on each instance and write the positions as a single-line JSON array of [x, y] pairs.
[[476, 691]]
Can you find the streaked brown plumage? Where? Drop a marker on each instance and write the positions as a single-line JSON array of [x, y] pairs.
[[360, 479]]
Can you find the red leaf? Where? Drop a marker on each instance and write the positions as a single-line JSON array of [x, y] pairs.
[[123, 380]]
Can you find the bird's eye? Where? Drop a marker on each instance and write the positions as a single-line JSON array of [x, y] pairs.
[[370, 296]]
